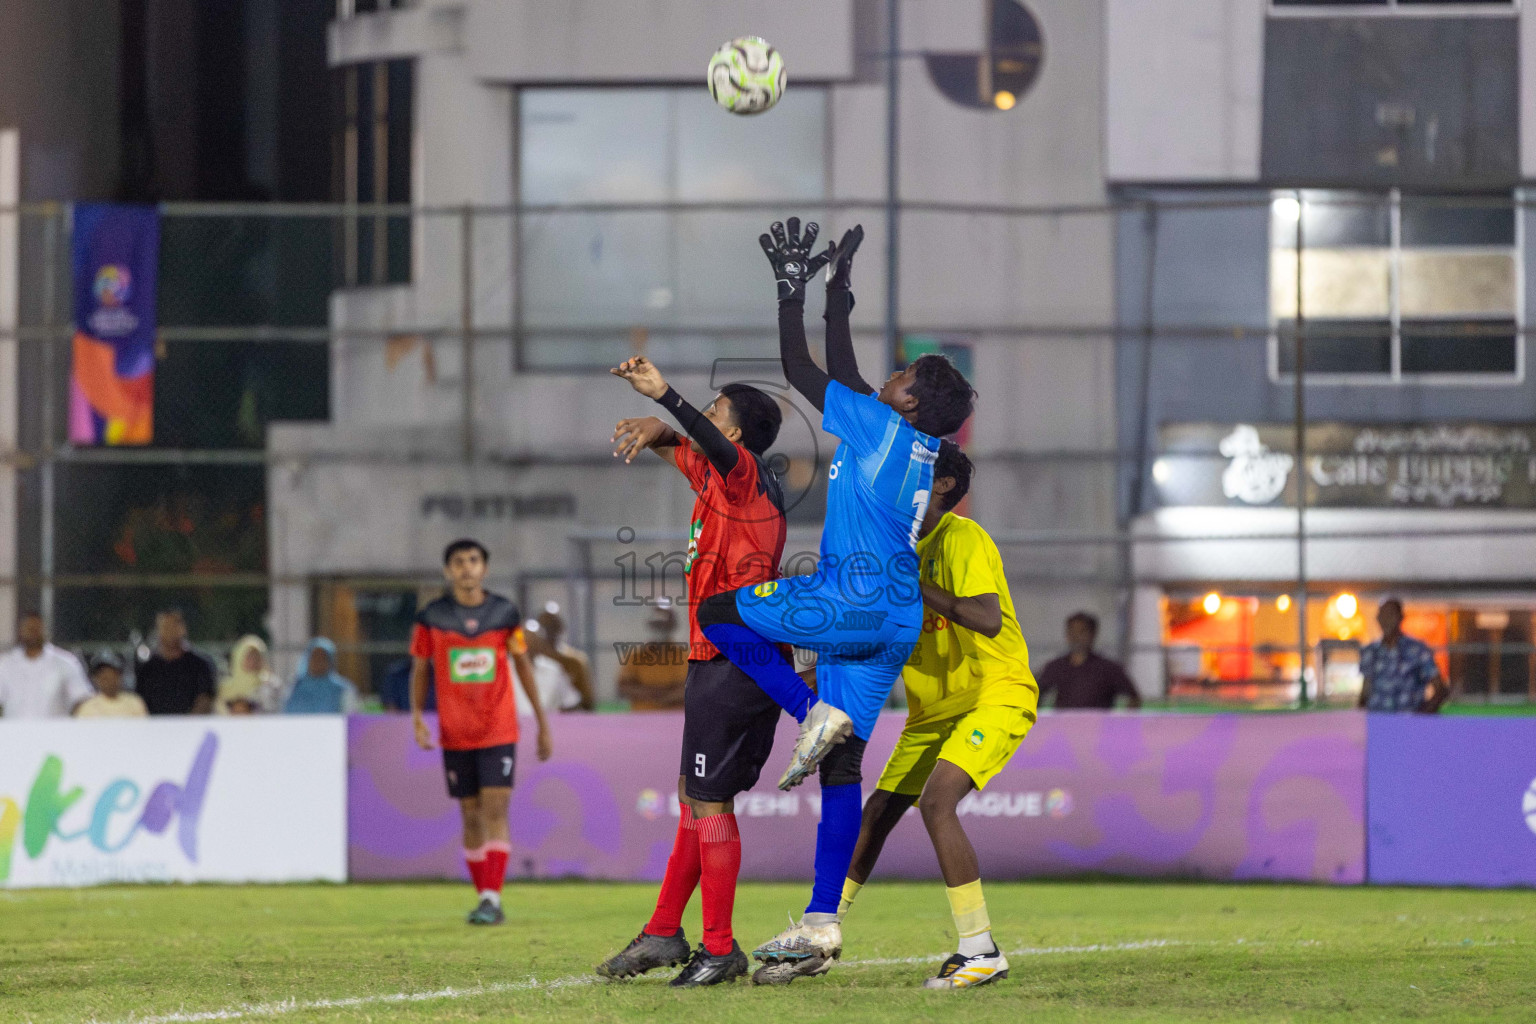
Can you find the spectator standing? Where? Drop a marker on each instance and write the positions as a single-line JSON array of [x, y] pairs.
[[319, 689], [250, 679], [1399, 671], [1083, 678], [37, 679], [561, 672], [175, 679], [394, 689], [651, 676], [111, 700]]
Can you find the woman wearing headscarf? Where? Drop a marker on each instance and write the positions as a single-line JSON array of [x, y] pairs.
[[319, 690], [250, 679]]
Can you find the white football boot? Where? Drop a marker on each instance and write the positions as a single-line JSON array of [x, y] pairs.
[[789, 970], [824, 728], [801, 943], [961, 971]]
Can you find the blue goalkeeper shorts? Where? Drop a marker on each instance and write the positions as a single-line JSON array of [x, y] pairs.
[[861, 645]]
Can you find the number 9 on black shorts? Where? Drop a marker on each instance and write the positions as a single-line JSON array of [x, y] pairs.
[[470, 771], [728, 726]]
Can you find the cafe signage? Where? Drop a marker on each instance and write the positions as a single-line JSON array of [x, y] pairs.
[[1437, 465]]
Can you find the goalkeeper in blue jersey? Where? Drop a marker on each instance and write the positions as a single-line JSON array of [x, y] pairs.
[[862, 609]]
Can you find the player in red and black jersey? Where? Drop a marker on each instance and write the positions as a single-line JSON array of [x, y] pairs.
[[472, 638], [735, 539]]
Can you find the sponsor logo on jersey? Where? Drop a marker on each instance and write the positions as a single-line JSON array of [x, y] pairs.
[[694, 529], [857, 620], [472, 664]]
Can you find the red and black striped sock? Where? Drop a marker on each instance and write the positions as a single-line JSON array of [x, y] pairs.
[[720, 859]]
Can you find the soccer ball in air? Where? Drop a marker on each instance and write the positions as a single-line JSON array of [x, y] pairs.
[[746, 75]]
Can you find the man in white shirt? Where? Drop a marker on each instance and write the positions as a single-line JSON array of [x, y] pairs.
[[37, 679]]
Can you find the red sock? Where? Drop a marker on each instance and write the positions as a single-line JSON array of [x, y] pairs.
[[495, 870], [720, 858], [475, 859], [681, 879]]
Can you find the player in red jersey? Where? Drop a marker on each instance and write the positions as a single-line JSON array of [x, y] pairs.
[[735, 539], [472, 638]]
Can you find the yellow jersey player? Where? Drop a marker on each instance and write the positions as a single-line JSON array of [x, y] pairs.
[[971, 700]]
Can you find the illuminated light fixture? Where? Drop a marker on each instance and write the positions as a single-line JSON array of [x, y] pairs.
[[1161, 471], [1283, 602], [1286, 209], [1346, 605], [1212, 603], [1004, 100]]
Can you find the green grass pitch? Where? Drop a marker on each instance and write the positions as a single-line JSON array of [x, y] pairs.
[[1080, 951]]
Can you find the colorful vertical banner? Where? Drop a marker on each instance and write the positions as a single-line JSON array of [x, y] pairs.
[[116, 256]]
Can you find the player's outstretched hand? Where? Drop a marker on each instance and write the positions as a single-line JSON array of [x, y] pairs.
[[841, 271], [789, 252], [633, 436], [642, 376], [423, 735], [546, 745]]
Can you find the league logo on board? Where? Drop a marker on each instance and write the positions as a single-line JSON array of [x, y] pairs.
[[1058, 803], [1530, 806], [649, 804]]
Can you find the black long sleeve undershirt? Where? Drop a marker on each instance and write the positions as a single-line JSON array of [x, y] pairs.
[[842, 364], [718, 449], [799, 368]]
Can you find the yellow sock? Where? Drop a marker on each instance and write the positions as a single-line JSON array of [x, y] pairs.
[[850, 892], [972, 925]]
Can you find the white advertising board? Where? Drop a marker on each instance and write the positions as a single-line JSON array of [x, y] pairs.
[[172, 800]]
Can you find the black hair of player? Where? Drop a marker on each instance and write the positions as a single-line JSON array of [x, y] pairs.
[[756, 414], [945, 399], [956, 465], [1395, 601], [29, 613], [1088, 619], [465, 544]]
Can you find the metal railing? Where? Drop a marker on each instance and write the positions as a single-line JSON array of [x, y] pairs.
[[492, 292]]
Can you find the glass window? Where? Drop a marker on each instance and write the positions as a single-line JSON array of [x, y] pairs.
[[1395, 286], [594, 282]]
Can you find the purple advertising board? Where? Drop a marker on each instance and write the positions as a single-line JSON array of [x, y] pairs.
[[1200, 796], [1452, 801]]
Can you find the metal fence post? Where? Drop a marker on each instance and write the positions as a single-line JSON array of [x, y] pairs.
[[467, 325], [1301, 462], [50, 386]]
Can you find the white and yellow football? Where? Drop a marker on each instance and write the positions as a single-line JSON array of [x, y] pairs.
[[746, 75]]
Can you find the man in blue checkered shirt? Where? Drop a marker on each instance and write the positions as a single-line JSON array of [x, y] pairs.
[[1400, 672]]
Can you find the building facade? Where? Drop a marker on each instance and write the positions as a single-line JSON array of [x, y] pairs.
[[576, 197], [1360, 172]]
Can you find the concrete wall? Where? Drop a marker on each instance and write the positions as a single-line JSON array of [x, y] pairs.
[[1184, 82]]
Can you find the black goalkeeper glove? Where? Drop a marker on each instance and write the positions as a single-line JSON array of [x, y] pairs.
[[790, 254], [842, 258]]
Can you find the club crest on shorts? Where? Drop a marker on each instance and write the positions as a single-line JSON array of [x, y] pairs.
[[977, 738]]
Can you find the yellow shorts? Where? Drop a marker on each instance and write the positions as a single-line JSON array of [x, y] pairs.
[[979, 742]]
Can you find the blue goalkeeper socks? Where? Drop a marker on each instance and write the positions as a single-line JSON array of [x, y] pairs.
[[768, 668], [841, 809]]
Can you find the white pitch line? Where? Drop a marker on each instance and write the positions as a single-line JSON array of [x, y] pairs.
[[286, 1006]]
